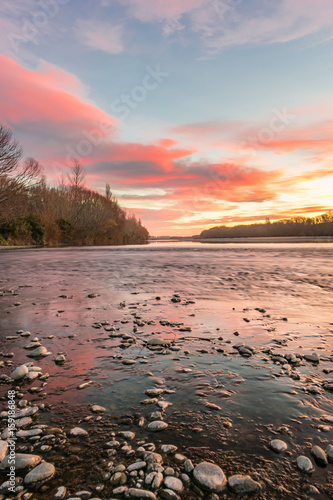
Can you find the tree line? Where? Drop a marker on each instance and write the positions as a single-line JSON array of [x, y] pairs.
[[322, 225], [32, 212]]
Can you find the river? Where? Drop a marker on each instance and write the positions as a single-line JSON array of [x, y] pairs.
[[275, 298]]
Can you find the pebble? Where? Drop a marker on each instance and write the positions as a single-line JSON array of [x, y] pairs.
[[19, 372], [319, 455], [174, 484], [278, 445], [157, 481], [3, 449], [30, 376], [304, 464], [41, 351], [188, 466], [136, 466], [142, 494], [128, 435], [169, 494], [209, 477], [329, 451], [22, 461], [41, 473], [243, 485], [26, 412], [60, 359], [78, 431], [85, 385], [313, 357], [157, 426], [98, 409]]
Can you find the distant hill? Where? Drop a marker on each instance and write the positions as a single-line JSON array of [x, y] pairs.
[[322, 225]]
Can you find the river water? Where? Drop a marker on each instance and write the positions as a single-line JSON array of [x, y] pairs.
[[274, 298]]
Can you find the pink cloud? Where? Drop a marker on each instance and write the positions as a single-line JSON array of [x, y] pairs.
[[40, 96]]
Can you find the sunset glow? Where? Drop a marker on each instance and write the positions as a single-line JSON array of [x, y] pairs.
[[198, 113]]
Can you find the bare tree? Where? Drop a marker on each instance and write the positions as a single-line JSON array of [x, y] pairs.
[[12, 186], [108, 192], [76, 175], [15, 176], [10, 151], [76, 178]]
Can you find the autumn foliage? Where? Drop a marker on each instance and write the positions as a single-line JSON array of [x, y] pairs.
[[32, 212]]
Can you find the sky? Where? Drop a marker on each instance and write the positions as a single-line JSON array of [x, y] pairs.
[[198, 113]]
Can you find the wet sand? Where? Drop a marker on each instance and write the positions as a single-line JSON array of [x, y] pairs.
[[236, 366]]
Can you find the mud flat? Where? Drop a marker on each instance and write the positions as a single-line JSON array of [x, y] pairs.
[[184, 373]]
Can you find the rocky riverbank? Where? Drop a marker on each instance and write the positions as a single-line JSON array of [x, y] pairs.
[[219, 388], [81, 451]]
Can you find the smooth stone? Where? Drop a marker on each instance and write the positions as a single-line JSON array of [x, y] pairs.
[[188, 466], [304, 464], [40, 351], [212, 406], [120, 491], [174, 484], [157, 481], [22, 461], [112, 444], [128, 435], [142, 494], [152, 458], [179, 458], [169, 471], [42, 472], [29, 433], [319, 455], [60, 359], [19, 372], [156, 426], [98, 409], [118, 479], [155, 415], [154, 392], [158, 342], [243, 484], [32, 345], [209, 477], [163, 404], [278, 445], [136, 466], [60, 493], [128, 362], [78, 431], [168, 494], [26, 412], [329, 451], [313, 357], [85, 385], [30, 376], [3, 449], [311, 490]]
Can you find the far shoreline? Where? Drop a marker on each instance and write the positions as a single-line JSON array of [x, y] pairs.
[[277, 239], [258, 239]]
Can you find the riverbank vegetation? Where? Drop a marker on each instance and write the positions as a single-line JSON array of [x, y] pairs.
[[322, 225], [34, 213]]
